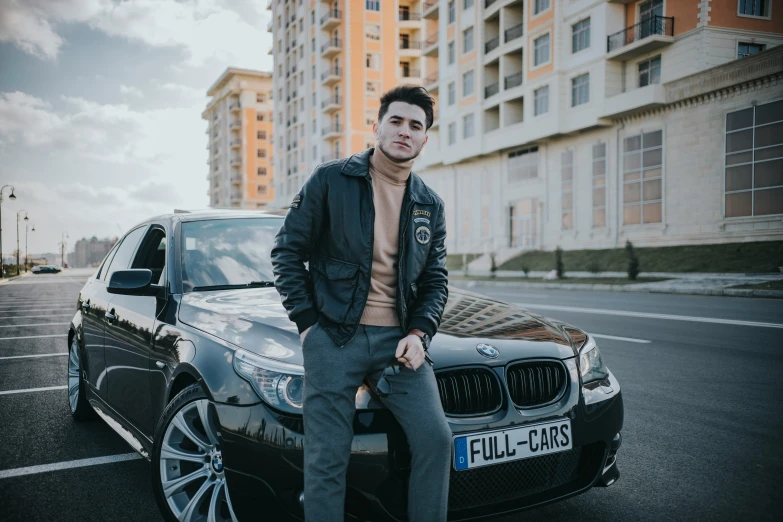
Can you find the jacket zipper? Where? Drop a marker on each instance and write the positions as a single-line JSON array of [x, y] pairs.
[[401, 253], [372, 247]]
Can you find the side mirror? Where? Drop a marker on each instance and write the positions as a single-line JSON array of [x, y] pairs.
[[132, 282]]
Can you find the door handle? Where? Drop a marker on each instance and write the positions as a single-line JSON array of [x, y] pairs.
[[160, 364], [109, 316]]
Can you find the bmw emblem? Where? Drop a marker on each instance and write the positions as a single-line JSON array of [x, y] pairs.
[[217, 462], [487, 350]]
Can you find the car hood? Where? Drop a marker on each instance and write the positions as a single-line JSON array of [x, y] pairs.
[[254, 319]]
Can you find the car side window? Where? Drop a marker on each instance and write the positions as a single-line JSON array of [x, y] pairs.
[[102, 269], [152, 254], [122, 258]]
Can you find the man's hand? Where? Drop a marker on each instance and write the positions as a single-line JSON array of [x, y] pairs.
[[410, 352], [304, 334]]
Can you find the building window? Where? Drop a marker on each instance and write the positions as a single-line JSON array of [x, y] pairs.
[[261, 190], [452, 133], [467, 84], [259, 98], [580, 90], [746, 49], [540, 6], [754, 7], [452, 52], [261, 153], [580, 36], [372, 31], [523, 164], [261, 171], [452, 93], [467, 126], [372, 88], [259, 117], [373, 61], [467, 4], [372, 5], [650, 71], [467, 40], [541, 50], [452, 11], [754, 161], [599, 185], [261, 135], [541, 97], [369, 118], [567, 189], [642, 178]]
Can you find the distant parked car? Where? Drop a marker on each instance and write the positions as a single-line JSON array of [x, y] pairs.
[[45, 269]]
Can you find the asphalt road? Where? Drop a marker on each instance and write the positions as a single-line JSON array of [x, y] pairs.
[[702, 437]]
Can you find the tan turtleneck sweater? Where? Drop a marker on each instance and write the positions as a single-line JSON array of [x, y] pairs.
[[389, 180]]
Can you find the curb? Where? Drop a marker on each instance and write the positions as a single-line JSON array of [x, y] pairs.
[[9, 279], [728, 292]]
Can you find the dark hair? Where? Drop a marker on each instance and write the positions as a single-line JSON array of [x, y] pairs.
[[413, 94]]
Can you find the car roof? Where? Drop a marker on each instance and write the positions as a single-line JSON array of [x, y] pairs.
[[212, 213]]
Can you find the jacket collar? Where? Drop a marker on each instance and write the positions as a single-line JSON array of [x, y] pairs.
[[359, 165]]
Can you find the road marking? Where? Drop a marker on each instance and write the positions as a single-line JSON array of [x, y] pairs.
[[30, 390], [38, 324], [37, 309], [32, 337], [38, 355], [70, 464], [31, 316], [627, 339], [601, 311]]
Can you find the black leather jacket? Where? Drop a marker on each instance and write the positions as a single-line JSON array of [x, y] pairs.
[[330, 224]]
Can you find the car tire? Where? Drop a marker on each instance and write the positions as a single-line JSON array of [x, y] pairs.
[[187, 463], [81, 410]]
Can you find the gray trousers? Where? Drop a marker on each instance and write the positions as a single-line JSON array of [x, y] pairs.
[[332, 376]]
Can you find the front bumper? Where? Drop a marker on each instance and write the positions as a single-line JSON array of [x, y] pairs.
[[263, 458]]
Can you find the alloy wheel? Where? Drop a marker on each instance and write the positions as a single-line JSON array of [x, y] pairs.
[[191, 467], [73, 375]]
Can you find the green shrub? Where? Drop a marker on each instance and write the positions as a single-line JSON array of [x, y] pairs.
[[559, 263], [633, 261]]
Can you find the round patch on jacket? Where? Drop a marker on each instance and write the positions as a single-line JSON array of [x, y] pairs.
[[423, 235]]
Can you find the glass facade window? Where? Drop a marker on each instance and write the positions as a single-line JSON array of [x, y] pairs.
[[452, 133], [372, 5], [523, 164], [754, 161], [452, 52], [541, 50], [452, 8], [746, 49], [754, 7], [580, 36], [540, 5], [452, 95], [580, 90], [467, 4], [467, 126], [643, 178], [541, 97], [599, 185], [467, 40], [567, 189], [650, 71], [467, 84]]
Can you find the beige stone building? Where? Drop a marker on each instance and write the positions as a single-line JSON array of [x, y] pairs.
[[239, 140]]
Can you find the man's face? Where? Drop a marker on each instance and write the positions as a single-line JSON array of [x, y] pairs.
[[401, 134]]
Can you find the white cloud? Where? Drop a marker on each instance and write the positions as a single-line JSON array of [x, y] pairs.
[[130, 90], [205, 29]]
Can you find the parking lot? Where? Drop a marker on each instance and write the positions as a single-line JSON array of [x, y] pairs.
[[700, 377]]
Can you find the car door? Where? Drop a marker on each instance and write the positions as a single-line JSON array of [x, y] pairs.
[[129, 333]]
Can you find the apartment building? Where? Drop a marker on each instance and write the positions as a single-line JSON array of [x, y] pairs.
[[332, 62], [239, 140], [583, 123]]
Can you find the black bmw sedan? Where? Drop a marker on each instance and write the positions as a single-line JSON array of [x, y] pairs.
[[180, 344]]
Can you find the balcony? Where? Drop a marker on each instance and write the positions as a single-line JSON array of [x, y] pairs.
[[491, 90], [410, 47], [648, 35], [236, 161], [331, 75], [269, 4], [488, 3], [331, 131], [430, 45], [236, 178], [235, 125], [269, 26], [512, 80], [234, 107], [431, 9], [512, 33], [431, 82], [331, 19], [235, 144], [408, 19], [410, 72], [332, 103], [491, 44], [634, 101], [236, 196], [331, 47]]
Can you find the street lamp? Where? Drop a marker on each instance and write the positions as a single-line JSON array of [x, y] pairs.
[[26, 256], [12, 196], [62, 248], [17, 237]]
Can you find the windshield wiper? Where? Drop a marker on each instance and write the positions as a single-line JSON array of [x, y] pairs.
[[251, 284]]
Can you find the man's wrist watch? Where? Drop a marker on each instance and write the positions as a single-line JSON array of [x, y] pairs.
[[425, 341]]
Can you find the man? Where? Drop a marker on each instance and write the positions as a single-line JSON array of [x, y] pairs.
[[374, 235]]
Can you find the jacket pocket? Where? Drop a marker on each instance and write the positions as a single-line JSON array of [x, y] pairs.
[[334, 285]]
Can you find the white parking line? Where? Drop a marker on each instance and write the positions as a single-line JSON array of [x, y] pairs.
[[601, 311], [37, 355], [34, 308], [615, 338], [70, 464], [26, 325], [32, 337], [31, 316], [30, 390]]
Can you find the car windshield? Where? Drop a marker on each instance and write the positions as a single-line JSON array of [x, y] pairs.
[[227, 252]]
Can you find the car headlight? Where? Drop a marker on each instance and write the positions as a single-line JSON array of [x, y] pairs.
[[279, 384], [590, 364]]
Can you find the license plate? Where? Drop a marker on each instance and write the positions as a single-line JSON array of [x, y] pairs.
[[495, 447]]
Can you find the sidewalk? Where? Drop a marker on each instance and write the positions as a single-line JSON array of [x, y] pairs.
[[677, 283], [5, 280]]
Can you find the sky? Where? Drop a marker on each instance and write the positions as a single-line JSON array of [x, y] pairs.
[[100, 108]]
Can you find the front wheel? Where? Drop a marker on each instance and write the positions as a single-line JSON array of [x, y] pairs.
[[187, 468]]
